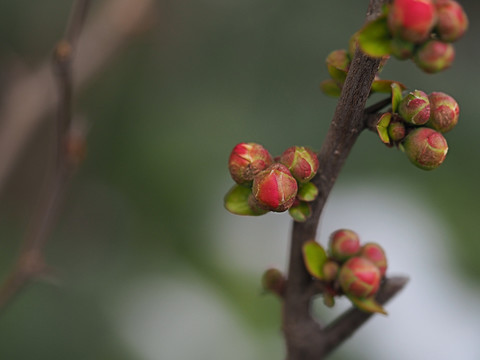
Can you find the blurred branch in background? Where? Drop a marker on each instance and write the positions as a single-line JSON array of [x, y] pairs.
[[33, 97]]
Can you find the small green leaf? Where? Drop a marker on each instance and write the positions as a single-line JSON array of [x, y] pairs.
[[331, 88], [382, 127], [397, 89], [374, 38], [307, 192], [314, 257], [368, 305], [385, 86], [300, 212], [338, 63], [236, 201]]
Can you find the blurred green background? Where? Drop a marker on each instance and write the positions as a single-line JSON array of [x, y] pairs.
[[144, 219]]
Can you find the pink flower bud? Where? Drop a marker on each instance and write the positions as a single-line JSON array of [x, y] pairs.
[[301, 161], [444, 112], [359, 277], [330, 270], [247, 160], [425, 148], [376, 254], [415, 108], [343, 244], [434, 56], [275, 188], [412, 20], [396, 131], [452, 21]]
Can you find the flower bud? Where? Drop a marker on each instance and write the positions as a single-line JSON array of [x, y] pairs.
[[376, 254], [415, 108], [359, 277], [452, 21], [434, 56], [275, 188], [425, 148], [274, 281], [343, 244], [444, 112], [412, 20], [301, 161], [396, 131], [330, 270], [247, 160]]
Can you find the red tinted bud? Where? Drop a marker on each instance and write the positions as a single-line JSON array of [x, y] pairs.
[[330, 270], [425, 148], [359, 277], [452, 21], [412, 20], [343, 244], [444, 112], [275, 188], [247, 160], [396, 131], [376, 255], [302, 162], [273, 281], [434, 56], [415, 108]]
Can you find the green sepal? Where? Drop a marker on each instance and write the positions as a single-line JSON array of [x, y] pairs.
[[331, 88], [368, 305], [307, 192], [314, 257], [328, 299], [397, 89], [236, 201], [300, 212], [374, 38], [382, 127], [385, 86]]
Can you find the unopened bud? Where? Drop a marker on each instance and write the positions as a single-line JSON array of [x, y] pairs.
[[452, 21], [247, 160], [274, 281], [425, 148], [396, 131], [444, 112], [401, 49], [434, 56], [376, 254], [412, 20], [301, 161], [330, 270], [343, 244], [415, 108], [275, 188], [338, 63], [359, 277]]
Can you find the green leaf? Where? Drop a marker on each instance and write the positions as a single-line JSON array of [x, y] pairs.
[[300, 212], [367, 305], [307, 192], [382, 127], [338, 62], [374, 38], [314, 257], [397, 89], [385, 86], [236, 201], [331, 88]]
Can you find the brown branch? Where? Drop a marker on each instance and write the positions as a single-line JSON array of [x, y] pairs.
[[304, 337]]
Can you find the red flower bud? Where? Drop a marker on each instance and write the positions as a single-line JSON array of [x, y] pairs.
[[434, 56], [301, 161], [425, 148], [359, 277], [412, 20], [376, 254], [343, 244], [247, 160], [330, 270], [275, 188], [396, 131], [415, 108], [444, 112], [452, 21]]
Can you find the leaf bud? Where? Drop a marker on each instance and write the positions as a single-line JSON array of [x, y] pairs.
[[275, 188], [412, 20], [343, 244], [452, 21], [376, 254], [301, 161], [247, 160], [359, 277], [434, 56], [274, 281], [415, 108], [444, 112], [425, 148]]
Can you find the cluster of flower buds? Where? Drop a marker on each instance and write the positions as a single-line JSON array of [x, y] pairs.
[[421, 30], [348, 268], [416, 125], [267, 184]]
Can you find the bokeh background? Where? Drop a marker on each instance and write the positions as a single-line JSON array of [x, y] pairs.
[[148, 264]]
